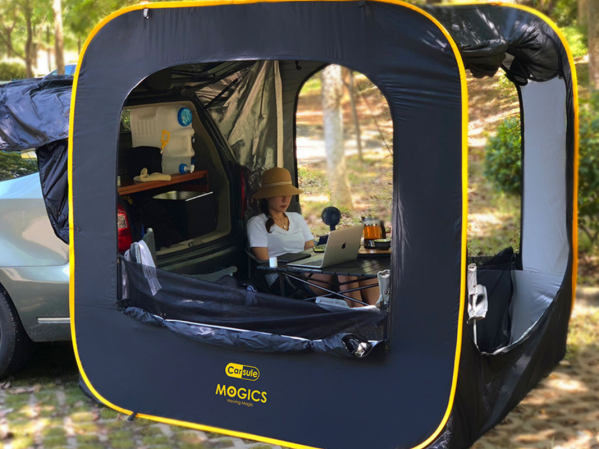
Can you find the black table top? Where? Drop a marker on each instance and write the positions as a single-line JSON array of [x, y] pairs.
[[361, 267]]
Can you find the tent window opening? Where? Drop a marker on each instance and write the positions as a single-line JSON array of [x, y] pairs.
[[195, 143], [344, 150], [494, 167], [517, 233]]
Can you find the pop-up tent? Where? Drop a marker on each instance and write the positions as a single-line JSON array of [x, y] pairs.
[[219, 357]]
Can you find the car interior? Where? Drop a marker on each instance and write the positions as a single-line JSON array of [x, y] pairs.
[[197, 219]]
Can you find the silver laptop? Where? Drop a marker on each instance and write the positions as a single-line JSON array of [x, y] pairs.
[[342, 246]]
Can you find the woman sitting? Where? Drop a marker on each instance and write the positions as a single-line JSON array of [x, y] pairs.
[[276, 232]]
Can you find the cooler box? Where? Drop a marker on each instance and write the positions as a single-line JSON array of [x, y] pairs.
[[194, 213]]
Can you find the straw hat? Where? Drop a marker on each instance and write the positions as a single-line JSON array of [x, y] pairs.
[[276, 182]]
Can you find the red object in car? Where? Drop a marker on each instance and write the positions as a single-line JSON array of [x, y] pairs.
[[125, 238]]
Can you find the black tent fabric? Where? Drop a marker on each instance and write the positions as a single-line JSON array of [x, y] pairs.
[[411, 60], [52, 161], [487, 35], [192, 300], [34, 112], [430, 384]]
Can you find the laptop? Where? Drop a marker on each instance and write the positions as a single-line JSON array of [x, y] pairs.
[[292, 257], [342, 246]]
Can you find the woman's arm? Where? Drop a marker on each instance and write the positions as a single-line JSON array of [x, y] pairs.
[[308, 237], [260, 252]]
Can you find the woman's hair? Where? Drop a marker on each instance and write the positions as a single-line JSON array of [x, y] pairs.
[[266, 211]]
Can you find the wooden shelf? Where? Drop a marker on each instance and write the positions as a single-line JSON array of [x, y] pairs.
[[128, 187]]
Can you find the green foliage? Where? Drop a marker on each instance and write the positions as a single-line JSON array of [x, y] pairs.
[[12, 165], [565, 12], [312, 86], [588, 173], [81, 16], [577, 38], [12, 71], [503, 161]]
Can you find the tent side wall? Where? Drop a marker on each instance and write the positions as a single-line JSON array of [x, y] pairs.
[[544, 288], [417, 67]]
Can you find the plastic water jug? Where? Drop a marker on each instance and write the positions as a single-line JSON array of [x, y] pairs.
[[167, 127]]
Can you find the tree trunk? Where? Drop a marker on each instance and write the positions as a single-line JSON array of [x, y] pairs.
[[6, 36], [9, 45], [594, 44], [48, 48], [332, 93], [29, 56], [583, 13], [58, 39], [354, 111]]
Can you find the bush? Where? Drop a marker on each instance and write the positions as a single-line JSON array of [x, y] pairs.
[[503, 157], [12, 165], [12, 71], [565, 12], [578, 39], [588, 173]]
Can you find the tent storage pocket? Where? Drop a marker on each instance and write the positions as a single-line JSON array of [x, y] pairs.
[[241, 318]]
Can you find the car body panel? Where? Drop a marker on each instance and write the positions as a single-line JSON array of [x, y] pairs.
[[26, 235], [40, 295], [34, 262], [69, 69]]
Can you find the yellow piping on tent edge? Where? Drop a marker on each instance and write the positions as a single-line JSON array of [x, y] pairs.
[[564, 41], [202, 3]]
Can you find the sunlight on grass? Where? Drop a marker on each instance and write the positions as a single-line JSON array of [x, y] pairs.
[[584, 328], [577, 40]]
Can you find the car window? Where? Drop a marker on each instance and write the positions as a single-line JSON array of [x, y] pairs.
[[15, 164]]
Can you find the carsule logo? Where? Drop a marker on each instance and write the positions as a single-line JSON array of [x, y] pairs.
[[242, 372]]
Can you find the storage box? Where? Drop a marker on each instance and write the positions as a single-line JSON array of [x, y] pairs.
[[194, 213]]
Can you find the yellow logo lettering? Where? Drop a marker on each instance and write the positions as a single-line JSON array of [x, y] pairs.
[[241, 392], [242, 372]]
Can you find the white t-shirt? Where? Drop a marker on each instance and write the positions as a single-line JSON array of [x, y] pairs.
[[279, 241]]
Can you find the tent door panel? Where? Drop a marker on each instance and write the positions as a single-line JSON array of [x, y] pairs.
[[545, 245]]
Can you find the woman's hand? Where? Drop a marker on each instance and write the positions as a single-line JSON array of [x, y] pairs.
[[261, 253], [309, 244]]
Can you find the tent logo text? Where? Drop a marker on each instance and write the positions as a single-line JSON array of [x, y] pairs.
[[242, 372], [241, 393]]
